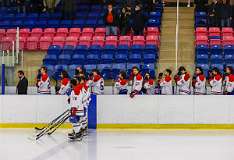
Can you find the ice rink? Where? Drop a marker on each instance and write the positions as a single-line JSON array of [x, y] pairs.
[[119, 145]]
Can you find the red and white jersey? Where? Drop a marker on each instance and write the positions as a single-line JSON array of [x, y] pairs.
[[65, 86], [166, 85], [121, 84], [97, 85], [183, 83], [229, 83], [200, 85], [149, 86], [76, 99], [137, 82], [216, 84], [86, 95], [44, 84]]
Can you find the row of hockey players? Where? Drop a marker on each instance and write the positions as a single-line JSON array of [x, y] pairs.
[[138, 84]]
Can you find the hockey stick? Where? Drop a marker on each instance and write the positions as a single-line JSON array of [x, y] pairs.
[[49, 127], [37, 128], [56, 127]]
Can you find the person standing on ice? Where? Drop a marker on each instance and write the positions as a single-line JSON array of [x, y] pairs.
[[64, 84], [137, 81], [77, 110], [229, 81], [43, 83], [216, 82], [122, 83], [183, 81]]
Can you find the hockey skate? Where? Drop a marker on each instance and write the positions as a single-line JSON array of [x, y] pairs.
[[85, 131], [75, 136]]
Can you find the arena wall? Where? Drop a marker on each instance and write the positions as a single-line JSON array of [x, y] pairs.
[[112, 111]]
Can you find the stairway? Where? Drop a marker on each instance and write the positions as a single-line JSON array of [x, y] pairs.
[[186, 39]]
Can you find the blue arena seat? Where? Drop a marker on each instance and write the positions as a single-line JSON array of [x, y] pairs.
[[202, 58], [64, 59], [54, 50], [202, 49], [81, 50], [78, 23], [116, 68], [50, 60], [67, 49], [216, 59], [66, 24], [54, 23], [29, 24], [229, 58], [216, 49], [228, 49], [135, 49], [105, 70], [78, 59], [107, 58], [149, 58], [41, 24], [134, 58], [90, 67]]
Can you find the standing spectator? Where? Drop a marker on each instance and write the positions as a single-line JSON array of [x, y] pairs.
[[148, 84], [226, 14], [199, 82], [124, 24], [68, 9], [166, 83], [212, 13], [219, 13], [21, 6], [137, 81], [200, 5], [111, 21], [122, 83], [183, 81], [138, 20], [22, 86], [216, 82]]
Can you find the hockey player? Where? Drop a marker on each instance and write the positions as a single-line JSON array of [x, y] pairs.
[[96, 82], [77, 110], [137, 81], [183, 81], [216, 82], [148, 84], [64, 84], [43, 83], [122, 83], [199, 82], [85, 101], [166, 83], [229, 81]]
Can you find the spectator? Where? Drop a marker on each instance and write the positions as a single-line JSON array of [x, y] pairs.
[[97, 82], [138, 21], [37, 6], [212, 13], [68, 9], [21, 6], [219, 13], [137, 82], [125, 15], [200, 5], [183, 81], [199, 82], [158, 87], [111, 21], [64, 84], [22, 86], [80, 72], [226, 14]]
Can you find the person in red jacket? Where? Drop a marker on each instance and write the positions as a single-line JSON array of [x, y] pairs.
[[199, 82], [64, 84], [43, 83], [229, 81], [122, 83], [216, 82], [183, 81], [137, 81]]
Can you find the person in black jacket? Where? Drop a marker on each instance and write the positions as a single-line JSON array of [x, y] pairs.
[[124, 24], [111, 21], [138, 21], [212, 14], [22, 86], [226, 14]]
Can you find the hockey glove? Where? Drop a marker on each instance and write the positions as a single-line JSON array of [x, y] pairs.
[[73, 111], [133, 93]]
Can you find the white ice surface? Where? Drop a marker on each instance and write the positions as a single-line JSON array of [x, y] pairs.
[[119, 145]]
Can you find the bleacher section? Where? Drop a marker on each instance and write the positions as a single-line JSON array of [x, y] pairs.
[[214, 46]]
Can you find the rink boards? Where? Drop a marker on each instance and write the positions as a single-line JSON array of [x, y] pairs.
[[112, 111]]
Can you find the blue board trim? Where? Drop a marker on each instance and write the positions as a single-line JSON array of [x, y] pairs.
[[3, 79], [92, 112]]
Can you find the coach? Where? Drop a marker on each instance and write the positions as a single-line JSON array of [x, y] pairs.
[[22, 86]]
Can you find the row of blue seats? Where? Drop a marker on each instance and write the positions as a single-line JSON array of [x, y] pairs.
[[109, 71], [216, 49], [215, 58], [97, 22], [200, 19], [107, 49], [78, 15]]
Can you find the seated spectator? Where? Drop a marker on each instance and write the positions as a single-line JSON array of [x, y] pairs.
[[212, 14], [138, 20], [122, 83], [22, 86], [124, 24], [226, 14], [229, 81], [148, 85], [111, 21]]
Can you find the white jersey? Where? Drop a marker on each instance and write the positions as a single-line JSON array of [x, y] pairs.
[[137, 83], [86, 95], [216, 84], [44, 84], [97, 85], [229, 83], [183, 84], [200, 85], [166, 86], [149, 86], [121, 85], [65, 86], [76, 99]]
